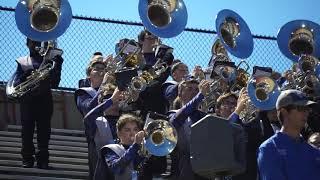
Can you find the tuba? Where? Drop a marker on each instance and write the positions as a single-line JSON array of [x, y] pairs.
[[299, 37], [161, 137], [48, 51], [43, 20], [163, 18], [298, 40], [263, 92], [236, 37]]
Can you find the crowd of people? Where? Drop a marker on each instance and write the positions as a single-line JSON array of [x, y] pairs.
[[281, 143]]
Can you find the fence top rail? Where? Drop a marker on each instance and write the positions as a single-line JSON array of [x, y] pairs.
[[89, 18]]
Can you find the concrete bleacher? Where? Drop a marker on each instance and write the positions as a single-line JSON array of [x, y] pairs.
[[68, 156]]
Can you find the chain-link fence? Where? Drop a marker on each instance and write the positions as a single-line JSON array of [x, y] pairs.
[[87, 35]]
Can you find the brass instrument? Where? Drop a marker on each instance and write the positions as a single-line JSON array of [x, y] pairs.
[[47, 51], [161, 137], [236, 37], [242, 77], [163, 18], [140, 82], [234, 33], [43, 20], [128, 52], [299, 37], [263, 92], [298, 40]]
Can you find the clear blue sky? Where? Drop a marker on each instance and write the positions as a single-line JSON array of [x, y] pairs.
[[264, 17]]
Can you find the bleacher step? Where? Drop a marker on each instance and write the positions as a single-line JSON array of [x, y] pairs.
[[52, 142], [64, 132], [51, 147], [56, 166], [23, 177], [51, 152], [42, 172], [53, 137], [52, 159]]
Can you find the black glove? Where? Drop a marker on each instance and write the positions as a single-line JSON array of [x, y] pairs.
[[168, 58], [58, 59]]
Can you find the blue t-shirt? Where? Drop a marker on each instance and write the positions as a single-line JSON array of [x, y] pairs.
[[283, 158]]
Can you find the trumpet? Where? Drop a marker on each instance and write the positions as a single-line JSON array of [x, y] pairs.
[[139, 83], [127, 54], [210, 99], [242, 78]]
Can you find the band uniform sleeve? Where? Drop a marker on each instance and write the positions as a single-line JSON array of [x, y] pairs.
[[116, 163], [269, 164], [99, 109], [19, 75], [85, 102], [181, 115], [234, 118], [170, 92]]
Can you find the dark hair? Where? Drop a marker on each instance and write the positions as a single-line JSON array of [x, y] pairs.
[[176, 66], [142, 34], [30, 41], [223, 97], [97, 53], [128, 118]]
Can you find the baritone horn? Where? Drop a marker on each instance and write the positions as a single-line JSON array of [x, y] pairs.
[[160, 137], [48, 50], [163, 18], [43, 20]]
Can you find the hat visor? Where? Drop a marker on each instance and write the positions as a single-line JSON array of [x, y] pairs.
[[304, 103]]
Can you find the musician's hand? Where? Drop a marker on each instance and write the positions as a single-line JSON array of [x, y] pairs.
[[117, 96], [139, 137], [242, 101], [204, 87], [58, 59], [108, 59]]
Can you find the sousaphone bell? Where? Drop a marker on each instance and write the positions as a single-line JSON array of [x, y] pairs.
[[234, 33], [299, 37], [163, 18], [43, 20]]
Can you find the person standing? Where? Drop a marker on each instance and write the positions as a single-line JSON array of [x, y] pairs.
[[36, 106], [286, 155]]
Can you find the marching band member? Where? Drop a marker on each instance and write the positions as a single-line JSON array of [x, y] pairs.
[[37, 106], [182, 120], [87, 98], [286, 155], [170, 88], [123, 160], [86, 81]]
